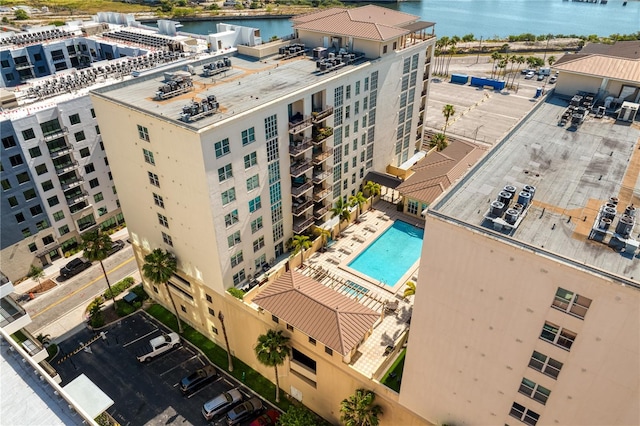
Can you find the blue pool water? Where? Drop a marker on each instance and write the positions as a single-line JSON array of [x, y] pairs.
[[354, 289], [391, 255]]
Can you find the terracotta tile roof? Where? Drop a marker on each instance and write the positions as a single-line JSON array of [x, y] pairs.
[[620, 61], [368, 22], [438, 171], [320, 312]]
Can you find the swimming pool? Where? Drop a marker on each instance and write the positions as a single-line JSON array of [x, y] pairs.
[[391, 255], [353, 289]]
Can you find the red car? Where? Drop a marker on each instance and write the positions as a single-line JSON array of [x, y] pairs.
[[266, 419]]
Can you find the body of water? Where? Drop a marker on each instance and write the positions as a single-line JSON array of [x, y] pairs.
[[489, 18]]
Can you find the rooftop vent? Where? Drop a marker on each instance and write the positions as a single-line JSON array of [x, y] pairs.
[[292, 50], [620, 238], [513, 215], [216, 67], [176, 84], [198, 110]]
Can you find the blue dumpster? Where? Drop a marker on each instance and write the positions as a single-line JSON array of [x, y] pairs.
[[538, 92], [459, 78]]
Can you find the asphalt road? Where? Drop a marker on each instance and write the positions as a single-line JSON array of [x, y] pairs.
[[78, 290]]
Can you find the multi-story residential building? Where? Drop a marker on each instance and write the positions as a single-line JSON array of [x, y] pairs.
[[526, 308], [224, 175]]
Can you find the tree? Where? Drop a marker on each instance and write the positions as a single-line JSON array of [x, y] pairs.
[[323, 233], [341, 210], [551, 60], [300, 243], [359, 409], [226, 340], [271, 350], [159, 266], [448, 111], [439, 140], [297, 416], [467, 38], [20, 15], [36, 273], [372, 188], [357, 200], [410, 289], [44, 339], [96, 246]]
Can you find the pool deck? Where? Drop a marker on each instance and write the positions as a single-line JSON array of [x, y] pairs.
[[330, 268]]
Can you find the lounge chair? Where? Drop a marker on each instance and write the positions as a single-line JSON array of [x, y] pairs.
[[371, 228], [333, 259], [390, 306], [359, 238], [346, 250]]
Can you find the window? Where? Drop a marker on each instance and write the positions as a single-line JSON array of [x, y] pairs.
[[98, 132], [53, 201], [36, 210], [143, 133], [209, 299], [29, 194], [271, 127], [545, 364], [534, 391], [256, 225], [214, 330], [276, 212], [272, 150], [94, 182], [16, 160], [357, 88], [163, 220], [300, 358], [348, 92], [153, 179], [239, 277], [258, 244], [74, 119], [35, 152], [98, 197], [236, 259], [290, 327], [79, 136], [278, 231], [231, 218], [412, 207], [250, 160], [8, 142], [89, 168], [57, 216], [63, 230], [24, 176], [167, 239], [19, 217], [253, 183], [222, 148], [6, 184], [47, 240], [347, 112], [102, 211], [312, 341], [524, 414], [46, 186], [28, 134], [274, 172], [85, 152], [33, 247], [183, 309], [571, 303], [275, 319], [13, 201], [225, 173], [255, 204], [211, 312], [26, 232], [228, 196], [148, 157], [248, 136], [384, 49], [93, 112], [328, 350], [260, 262], [338, 96], [158, 200], [557, 335], [233, 239]]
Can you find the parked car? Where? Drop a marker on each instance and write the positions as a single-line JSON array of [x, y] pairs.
[[553, 79], [74, 267], [244, 411], [529, 75], [525, 71], [221, 404], [116, 246], [540, 77], [157, 346], [198, 378], [267, 419]]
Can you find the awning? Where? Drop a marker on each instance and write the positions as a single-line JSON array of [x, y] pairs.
[[86, 395], [383, 179]]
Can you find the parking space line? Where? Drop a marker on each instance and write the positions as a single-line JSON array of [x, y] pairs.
[[139, 338], [178, 366]]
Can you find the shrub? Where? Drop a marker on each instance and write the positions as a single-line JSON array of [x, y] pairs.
[[123, 308], [236, 292], [140, 292], [119, 287], [52, 350], [96, 319]]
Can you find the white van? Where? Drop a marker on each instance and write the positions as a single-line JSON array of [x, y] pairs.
[[221, 404], [544, 71]]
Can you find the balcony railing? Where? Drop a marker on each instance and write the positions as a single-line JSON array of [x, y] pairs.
[[56, 134], [66, 167], [77, 198], [322, 115], [86, 226], [297, 191], [297, 148], [298, 123], [66, 149], [321, 195], [71, 184], [319, 213], [321, 156], [298, 227], [301, 167], [320, 177], [10, 311], [322, 134], [23, 66], [299, 208]]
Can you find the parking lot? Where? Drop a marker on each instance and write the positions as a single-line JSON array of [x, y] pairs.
[[142, 393]]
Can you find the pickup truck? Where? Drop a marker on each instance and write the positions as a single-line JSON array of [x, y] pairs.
[[73, 268], [158, 345]]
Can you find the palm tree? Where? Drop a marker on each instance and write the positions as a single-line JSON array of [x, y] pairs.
[[519, 60], [357, 200], [448, 111], [323, 233], [159, 266], [439, 140], [551, 60], [341, 210], [271, 350], [410, 290], [226, 340], [502, 65], [96, 246], [359, 410], [496, 56], [372, 188], [300, 243]]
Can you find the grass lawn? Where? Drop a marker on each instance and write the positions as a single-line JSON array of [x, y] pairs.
[[218, 356], [394, 375], [81, 6]]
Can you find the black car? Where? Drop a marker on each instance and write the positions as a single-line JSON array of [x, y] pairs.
[[244, 411], [73, 268], [198, 378], [116, 246]]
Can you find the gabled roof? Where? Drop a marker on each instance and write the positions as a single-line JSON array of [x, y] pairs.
[[366, 22], [437, 171], [320, 312]]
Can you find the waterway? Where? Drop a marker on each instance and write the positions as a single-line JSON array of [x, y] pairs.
[[490, 18]]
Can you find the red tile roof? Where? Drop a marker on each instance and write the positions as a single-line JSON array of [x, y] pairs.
[[331, 318]]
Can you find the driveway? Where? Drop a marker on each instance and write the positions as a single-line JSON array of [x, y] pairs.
[[142, 393]]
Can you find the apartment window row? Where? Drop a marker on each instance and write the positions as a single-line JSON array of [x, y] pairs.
[[557, 335], [524, 414], [271, 127], [571, 303], [534, 391]]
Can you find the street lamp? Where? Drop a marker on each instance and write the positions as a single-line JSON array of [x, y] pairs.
[[475, 135]]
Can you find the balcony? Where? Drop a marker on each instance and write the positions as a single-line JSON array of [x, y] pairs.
[[297, 191], [318, 116], [319, 135], [76, 198], [320, 177], [301, 207], [321, 156], [63, 131], [301, 225], [6, 286], [301, 167], [65, 149], [23, 66], [31, 345], [321, 212], [12, 316], [299, 147], [66, 167], [321, 194], [71, 183], [298, 123]]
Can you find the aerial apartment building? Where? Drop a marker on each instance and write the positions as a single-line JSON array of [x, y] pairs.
[[528, 312]]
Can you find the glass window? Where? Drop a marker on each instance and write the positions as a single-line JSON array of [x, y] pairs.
[[222, 148], [167, 239], [272, 150], [148, 156], [24, 176], [250, 160], [143, 133], [29, 194], [231, 218], [153, 179], [571, 303], [28, 134], [557, 335], [79, 136], [35, 152], [236, 259], [255, 204], [89, 168], [162, 220], [85, 152], [64, 230], [248, 136], [6, 184], [253, 182], [271, 127], [53, 201], [225, 173], [8, 142], [258, 244], [545, 364], [94, 183], [523, 414], [13, 201], [98, 197], [74, 119], [228, 196], [274, 172], [35, 210], [256, 225], [534, 391], [47, 185], [158, 200], [16, 160], [233, 239], [238, 278]]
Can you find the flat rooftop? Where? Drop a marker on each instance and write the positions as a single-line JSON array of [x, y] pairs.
[[574, 174], [249, 84]]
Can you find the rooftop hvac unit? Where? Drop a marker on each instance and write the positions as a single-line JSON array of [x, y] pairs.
[[624, 226], [605, 223], [511, 216], [609, 212], [496, 208], [524, 198], [511, 189], [505, 197], [630, 211]]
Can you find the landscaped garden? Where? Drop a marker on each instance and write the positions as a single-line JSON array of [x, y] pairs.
[[393, 377]]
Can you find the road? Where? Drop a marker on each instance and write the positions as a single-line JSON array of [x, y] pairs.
[[78, 291]]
